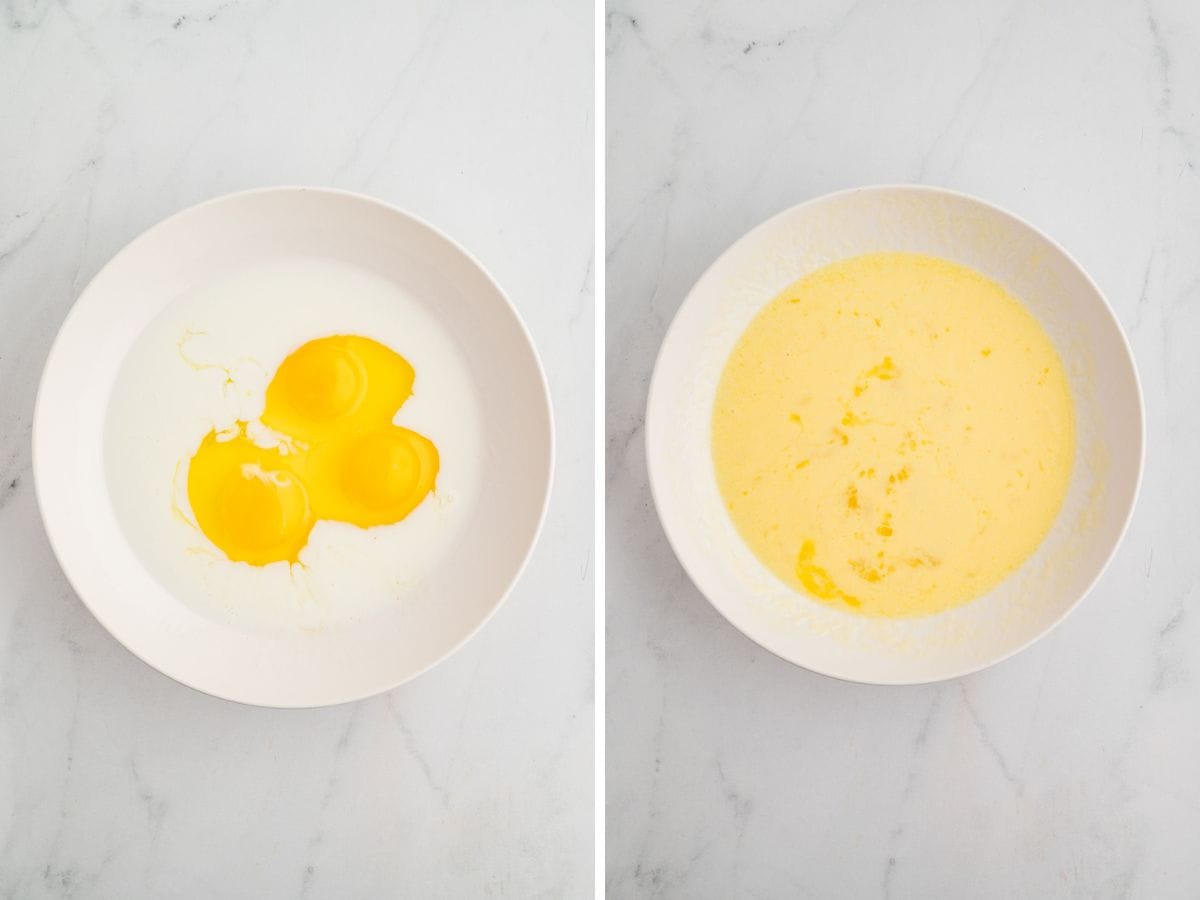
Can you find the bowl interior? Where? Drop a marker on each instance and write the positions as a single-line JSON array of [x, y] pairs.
[[291, 667], [1108, 459]]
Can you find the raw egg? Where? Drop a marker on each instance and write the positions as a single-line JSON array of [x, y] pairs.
[[336, 454], [269, 417]]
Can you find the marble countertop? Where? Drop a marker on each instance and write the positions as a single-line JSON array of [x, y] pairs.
[[1073, 769], [475, 779]]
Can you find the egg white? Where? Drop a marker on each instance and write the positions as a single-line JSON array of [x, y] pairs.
[[205, 363]]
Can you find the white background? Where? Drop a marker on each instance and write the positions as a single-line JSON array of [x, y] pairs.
[[474, 780], [1074, 768]]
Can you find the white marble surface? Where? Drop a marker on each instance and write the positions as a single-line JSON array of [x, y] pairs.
[[474, 780], [1073, 770]]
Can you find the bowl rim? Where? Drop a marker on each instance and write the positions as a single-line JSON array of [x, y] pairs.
[[546, 482], [750, 237]]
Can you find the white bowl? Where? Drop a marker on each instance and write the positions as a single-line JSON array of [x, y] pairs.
[[1100, 498], [292, 668]]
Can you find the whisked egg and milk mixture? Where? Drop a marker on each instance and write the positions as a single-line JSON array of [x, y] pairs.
[[294, 445], [893, 435]]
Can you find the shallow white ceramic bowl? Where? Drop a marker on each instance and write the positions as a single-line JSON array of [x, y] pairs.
[[292, 668], [1110, 434]]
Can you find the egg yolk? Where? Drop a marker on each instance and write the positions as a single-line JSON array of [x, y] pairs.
[[248, 499], [375, 477], [336, 385], [342, 459]]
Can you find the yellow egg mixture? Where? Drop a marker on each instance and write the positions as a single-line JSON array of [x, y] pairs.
[[893, 434], [336, 456]]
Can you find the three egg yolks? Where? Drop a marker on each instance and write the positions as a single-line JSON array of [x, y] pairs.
[[341, 459], [893, 434]]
